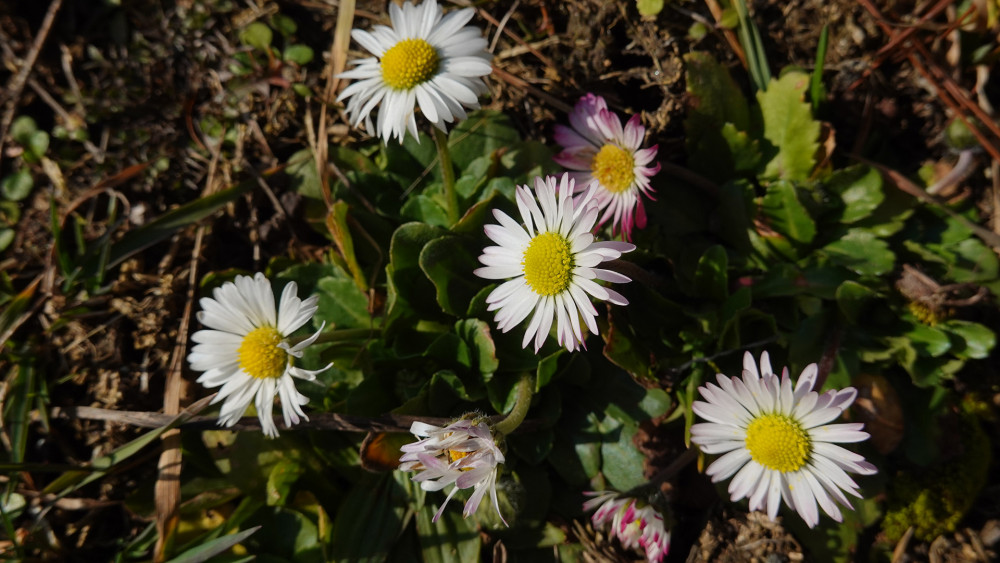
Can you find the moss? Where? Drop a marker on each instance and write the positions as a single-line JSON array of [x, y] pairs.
[[935, 502]]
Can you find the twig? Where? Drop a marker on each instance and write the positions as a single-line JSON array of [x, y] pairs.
[[16, 85], [71, 122], [320, 421]]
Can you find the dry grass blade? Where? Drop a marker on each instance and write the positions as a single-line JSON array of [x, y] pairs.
[[167, 492]]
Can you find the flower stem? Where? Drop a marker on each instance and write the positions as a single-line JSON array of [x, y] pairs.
[[341, 335], [525, 389], [447, 174]]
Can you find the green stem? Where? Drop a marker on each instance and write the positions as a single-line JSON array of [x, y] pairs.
[[340, 335], [525, 389], [447, 174]]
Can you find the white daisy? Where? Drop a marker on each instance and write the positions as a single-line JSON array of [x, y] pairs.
[[246, 351], [777, 440], [463, 453], [424, 59], [598, 150], [551, 259], [635, 523]]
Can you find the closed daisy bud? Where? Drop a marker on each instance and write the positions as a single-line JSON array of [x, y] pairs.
[[245, 349], [635, 523]]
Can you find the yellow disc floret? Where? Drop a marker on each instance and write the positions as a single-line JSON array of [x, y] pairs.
[[548, 264], [408, 63], [778, 442], [260, 355], [614, 168]]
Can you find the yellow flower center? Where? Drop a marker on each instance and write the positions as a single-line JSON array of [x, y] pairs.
[[548, 263], [260, 355], [408, 63], [614, 168], [454, 456], [778, 442]]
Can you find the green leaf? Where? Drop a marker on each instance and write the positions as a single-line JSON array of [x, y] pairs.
[[927, 340], [482, 133], [854, 300], [284, 24], [784, 213], [715, 93], [523, 162], [860, 188], [861, 252], [164, 226], [547, 368], [448, 262], [341, 303], [17, 186], [38, 144], [745, 150], [280, 480], [476, 334], [6, 237], [298, 54], [305, 178], [370, 519], [977, 340], [22, 129], [425, 209], [451, 350], [214, 547], [711, 278], [716, 102], [532, 447], [287, 535], [340, 231], [649, 8], [623, 349], [621, 461], [452, 539], [409, 290], [790, 127], [257, 35]]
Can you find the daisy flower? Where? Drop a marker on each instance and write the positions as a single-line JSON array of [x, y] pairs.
[[777, 440], [424, 58], [463, 453], [246, 351], [551, 258], [599, 151], [635, 523]]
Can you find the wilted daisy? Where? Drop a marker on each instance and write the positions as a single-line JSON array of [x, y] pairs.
[[424, 59], [246, 350], [600, 151], [635, 523], [551, 258], [777, 440], [462, 453]]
